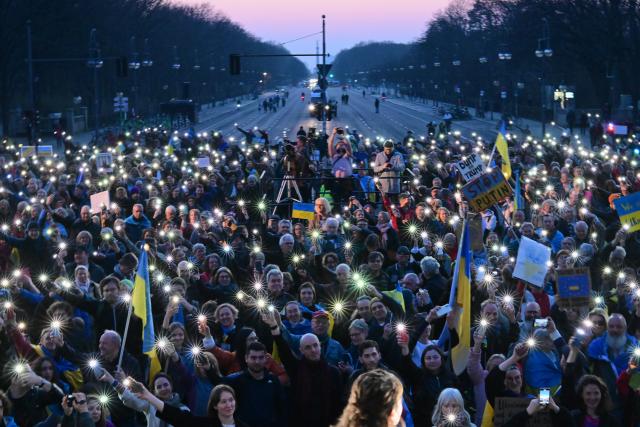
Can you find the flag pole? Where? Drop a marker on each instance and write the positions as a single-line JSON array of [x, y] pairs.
[[126, 332]]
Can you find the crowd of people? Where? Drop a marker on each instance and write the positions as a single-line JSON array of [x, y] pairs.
[[265, 317]]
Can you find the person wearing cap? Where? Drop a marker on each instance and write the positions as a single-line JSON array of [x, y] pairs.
[[403, 265], [388, 166], [34, 250]]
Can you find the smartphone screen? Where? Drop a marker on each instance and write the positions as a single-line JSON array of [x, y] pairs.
[[540, 323], [544, 395], [444, 310]]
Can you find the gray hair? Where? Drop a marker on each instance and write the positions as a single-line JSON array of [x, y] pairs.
[[429, 265], [343, 266], [286, 238], [447, 395], [619, 251], [359, 324], [274, 272], [199, 246], [332, 221], [587, 250], [113, 335]]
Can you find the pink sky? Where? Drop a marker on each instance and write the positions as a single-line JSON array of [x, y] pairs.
[[348, 21]]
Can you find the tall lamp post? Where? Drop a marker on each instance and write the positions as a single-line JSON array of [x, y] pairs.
[[134, 65], [483, 92], [504, 55], [436, 64], [95, 62], [543, 51], [147, 62], [176, 66]]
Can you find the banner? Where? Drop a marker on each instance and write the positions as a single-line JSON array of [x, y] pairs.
[[204, 162], [471, 167], [486, 190], [104, 161], [99, 200], [531, 263], [628, 209]]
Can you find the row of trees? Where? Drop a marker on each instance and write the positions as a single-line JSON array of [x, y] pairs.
[[476, 51], [198, 38]]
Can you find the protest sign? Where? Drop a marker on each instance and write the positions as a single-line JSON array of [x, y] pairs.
[[99, 200], [471, 167], [486, 190], [628, 209], [104, 161], [531, 263], [574, 287], [204, 162], [506, 407], [27, 151]]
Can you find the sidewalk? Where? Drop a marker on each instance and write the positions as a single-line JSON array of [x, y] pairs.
[[84, 138]]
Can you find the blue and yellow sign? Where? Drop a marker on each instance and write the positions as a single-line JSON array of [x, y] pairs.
[[628, 209]]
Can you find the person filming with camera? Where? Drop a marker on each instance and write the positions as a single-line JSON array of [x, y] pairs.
[[341, 156]]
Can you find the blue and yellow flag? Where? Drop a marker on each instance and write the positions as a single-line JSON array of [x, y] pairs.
[[141, 304], [303, 211], [461, 295], [518, 200], [503, 149]]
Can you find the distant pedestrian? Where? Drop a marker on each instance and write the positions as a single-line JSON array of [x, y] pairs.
[[376, 104]]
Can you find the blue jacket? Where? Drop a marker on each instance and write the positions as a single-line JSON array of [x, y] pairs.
[[598, 351], [134, 227]]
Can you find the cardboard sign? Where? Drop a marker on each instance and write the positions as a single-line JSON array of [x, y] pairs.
[[99, 200], [531, 263], [486, 190], [104, 161], [506, 407], [204, 162], [574, 283], [628, 209], [471, 167], [574, 288]]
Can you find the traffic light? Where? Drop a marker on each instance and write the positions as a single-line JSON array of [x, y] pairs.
[[234, 64]]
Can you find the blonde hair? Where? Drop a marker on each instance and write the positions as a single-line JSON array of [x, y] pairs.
[[373, 397]]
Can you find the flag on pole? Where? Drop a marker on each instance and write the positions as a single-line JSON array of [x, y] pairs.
[[303, 211], [141, 304], [503, 149], [518, 201], [461, 295]]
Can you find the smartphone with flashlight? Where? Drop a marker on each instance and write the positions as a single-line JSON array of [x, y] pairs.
[[540, 323], [544, 396], [99, 372], [444, 310]]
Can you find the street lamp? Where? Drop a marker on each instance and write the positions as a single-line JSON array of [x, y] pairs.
[[196, 65], [95, 62], [504, 55], [176, 61], [543, 51], [146, 57]]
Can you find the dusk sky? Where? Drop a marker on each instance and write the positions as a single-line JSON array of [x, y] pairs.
[[348, 21]]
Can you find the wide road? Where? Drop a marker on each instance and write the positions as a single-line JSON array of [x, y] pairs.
[[396, 117]]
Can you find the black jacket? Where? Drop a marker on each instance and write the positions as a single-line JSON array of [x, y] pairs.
[[259, 403], [179, 418]]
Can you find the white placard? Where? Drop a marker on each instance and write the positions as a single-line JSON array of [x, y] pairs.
[[471, 167], [204, 162], [99, 200], [531, 263]]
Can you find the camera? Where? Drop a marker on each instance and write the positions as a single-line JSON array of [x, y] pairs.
[[70, 400], [340, 131]]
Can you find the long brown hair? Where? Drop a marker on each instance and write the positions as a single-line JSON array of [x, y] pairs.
[[373, 396]]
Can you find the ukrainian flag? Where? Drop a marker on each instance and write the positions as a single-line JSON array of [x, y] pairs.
[[141, 304], [461, 295], [503, 149], [303, 211], [518, 201]]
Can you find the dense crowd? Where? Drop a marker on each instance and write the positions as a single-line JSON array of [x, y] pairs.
[[264, 319]]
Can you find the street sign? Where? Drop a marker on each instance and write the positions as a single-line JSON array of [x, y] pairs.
[[120, 104], [323, 69]]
